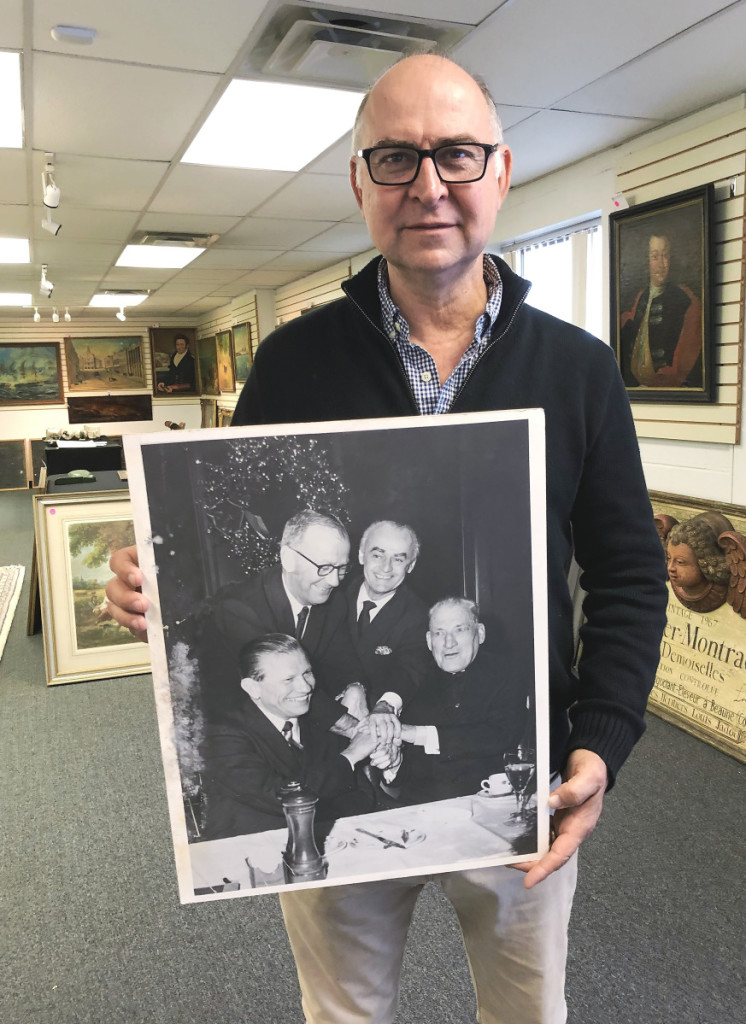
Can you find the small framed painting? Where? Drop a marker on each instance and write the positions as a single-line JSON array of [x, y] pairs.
[[30, 374], [226, 372], [207, 361], [76, 535], [242, 350]]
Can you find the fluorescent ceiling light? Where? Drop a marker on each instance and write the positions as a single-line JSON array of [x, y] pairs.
[[115, 300], [15, 298], [272, 126], [163, 257], [14, 250], [11, 110]]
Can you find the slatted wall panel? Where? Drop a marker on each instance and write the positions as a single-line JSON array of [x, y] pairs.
[[716, 153], [240, 311], [325, 285]]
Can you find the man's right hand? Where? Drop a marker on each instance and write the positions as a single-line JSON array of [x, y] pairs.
[[126, 604]]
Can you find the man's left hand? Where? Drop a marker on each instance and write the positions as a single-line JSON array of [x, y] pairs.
[[385, 726], [577, 802]]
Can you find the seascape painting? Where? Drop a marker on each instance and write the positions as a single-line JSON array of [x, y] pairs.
[[105, 364], [29, 374], [242, 350]]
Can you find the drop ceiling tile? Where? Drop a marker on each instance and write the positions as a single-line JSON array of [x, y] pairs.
[[312, 197], [13, 184], [101, 183], [302, 262], [137, 277], [14, 221], [554, 138], [267, 279], [342, 238], [188, 36], [512, 48], [262, 232], [12, 22], [57, 251], [241, 259], [470, 13], [86, 224], [227, 191], [99, 109], [629, 91], [207, 275], [335, 160], [191, 223]]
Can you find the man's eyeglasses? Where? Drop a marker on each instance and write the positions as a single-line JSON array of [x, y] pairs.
[[455, 163], [326, 569]]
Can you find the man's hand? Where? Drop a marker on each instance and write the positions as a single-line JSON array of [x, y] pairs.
[[578, 802], [385, 726], [126, 604]]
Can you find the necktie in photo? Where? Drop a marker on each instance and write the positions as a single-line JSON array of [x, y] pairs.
[[287, 735], [300, 624], [364, 618]]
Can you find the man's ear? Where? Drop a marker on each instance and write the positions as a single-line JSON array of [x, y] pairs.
[[251, 686], [354, 182], [411, 565], [506, 167], [429, 641], [287, 558], [480, 632]]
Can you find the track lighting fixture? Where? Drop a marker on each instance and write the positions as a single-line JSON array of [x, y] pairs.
[[55, 316], [45, 285], [120, 315], [68, 318], [50, 193], [50, 225], [37, 315]]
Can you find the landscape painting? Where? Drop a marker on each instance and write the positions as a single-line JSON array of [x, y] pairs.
[[242, 350], [91, 545], [105, 364], [30, 374], [207, 361]]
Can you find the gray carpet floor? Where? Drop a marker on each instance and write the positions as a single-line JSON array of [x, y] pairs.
[[92, 931]]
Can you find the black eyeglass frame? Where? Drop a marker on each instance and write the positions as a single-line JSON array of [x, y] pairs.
[[325, 569], [486, 147]]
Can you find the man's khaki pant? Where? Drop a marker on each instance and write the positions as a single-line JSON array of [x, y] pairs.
[[348, 942]]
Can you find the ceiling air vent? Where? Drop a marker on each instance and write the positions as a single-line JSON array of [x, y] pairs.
[[335, 46], [183, 238]]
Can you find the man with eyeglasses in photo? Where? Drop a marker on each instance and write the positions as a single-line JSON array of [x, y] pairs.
[[434, 325]]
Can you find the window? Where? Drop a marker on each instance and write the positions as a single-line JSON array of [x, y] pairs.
[[565, 269]]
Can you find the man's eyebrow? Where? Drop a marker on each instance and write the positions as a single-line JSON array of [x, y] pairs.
[[450, 140]]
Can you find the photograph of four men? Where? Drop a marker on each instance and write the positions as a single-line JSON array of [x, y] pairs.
[[354, 608]]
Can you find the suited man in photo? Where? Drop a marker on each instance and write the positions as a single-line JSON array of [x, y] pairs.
[[296, 597], [467, 713], [387, 621], [269, 739]]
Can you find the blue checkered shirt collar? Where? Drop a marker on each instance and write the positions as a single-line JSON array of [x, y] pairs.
[[419, 364]]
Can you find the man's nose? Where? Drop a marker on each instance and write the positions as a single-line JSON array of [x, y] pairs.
[[450, 640], [427, 186]]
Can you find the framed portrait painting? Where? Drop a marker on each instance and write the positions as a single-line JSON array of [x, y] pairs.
[[173, 351], [105, 364], [207, 363], [242, 350], [30, 374], [226, 371], [661, 297], [243, 509], [75, 536]]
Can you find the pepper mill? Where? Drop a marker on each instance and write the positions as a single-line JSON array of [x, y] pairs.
[[301, 859]]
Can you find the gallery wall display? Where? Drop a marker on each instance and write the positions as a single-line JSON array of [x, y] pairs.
[[109, 408], [700, 684], [105, 364], [223, 499], [242, 350], [661, 297], [226, 372], [174, 355], [30, 374], [14, 474], [207, 364], [75, 538]]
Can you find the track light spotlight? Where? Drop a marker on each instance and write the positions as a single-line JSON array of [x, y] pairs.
[[50, 225], [68, 318], [120, 315], [45, 285], [55, 316], [37, 315], [50, 193]]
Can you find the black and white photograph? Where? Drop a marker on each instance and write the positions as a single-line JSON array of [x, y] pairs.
[[348, 637]]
